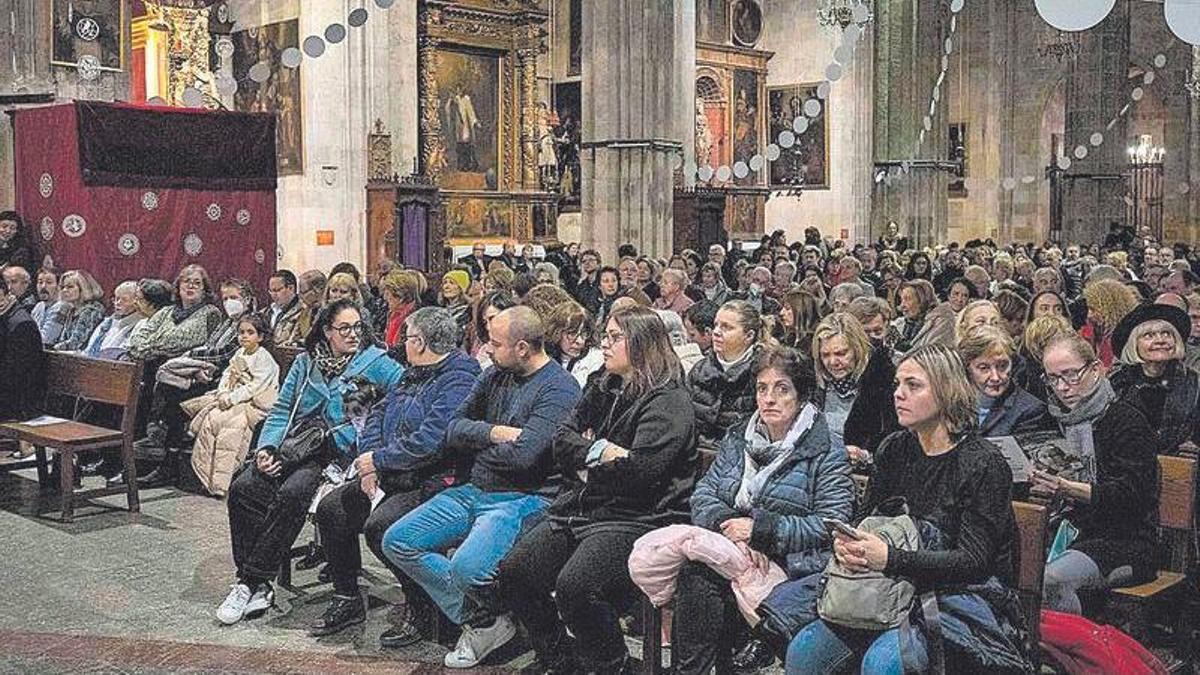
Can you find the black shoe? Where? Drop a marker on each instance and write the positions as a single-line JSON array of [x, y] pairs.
[[91, 468], [342, 612], [325, 576], [159, 477], [756, 655], [315, 555], [411, 623], [115, 481]]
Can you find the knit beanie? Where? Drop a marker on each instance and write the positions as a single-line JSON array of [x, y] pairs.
[[461, 278]]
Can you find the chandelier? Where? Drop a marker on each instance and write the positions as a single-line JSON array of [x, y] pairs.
[[841, 13], [1145, 152]]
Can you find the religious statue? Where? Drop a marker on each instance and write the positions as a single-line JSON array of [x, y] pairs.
[[547, 156], [704, 137]]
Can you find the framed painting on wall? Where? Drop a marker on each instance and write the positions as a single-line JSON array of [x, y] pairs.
[[88, 33], [279, 93], [567, 136], [468, 102], [806, 163], [746, 115]]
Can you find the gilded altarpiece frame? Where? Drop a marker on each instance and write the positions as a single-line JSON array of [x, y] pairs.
[[478, 141]]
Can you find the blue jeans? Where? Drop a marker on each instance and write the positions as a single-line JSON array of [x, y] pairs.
[[482, 525], [826, 649]]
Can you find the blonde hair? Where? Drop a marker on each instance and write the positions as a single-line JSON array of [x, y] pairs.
[[962, 327], [89, 288], [1079, 347], [1109, 300], [344, 281], [501, 279], [1130, 355], [403, 284], [984, 340], [1042, 331], [956, 396], [845, 326]]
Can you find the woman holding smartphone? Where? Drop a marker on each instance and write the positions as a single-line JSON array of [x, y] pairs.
[[950, 478]]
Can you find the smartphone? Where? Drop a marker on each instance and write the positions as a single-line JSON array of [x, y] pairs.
[[834, 525]]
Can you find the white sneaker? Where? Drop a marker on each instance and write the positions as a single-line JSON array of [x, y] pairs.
[[262, 599], [476, 643], [234, 608]]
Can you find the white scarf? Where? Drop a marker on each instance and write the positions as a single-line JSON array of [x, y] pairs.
[[754, 477]]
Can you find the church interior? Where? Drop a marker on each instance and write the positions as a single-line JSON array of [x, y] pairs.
[[146, 137]]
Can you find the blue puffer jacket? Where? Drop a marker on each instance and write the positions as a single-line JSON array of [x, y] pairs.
[[371, 363], [405, 432], [813, 483]]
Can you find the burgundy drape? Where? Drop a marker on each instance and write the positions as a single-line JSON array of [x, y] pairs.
[[235, 228]]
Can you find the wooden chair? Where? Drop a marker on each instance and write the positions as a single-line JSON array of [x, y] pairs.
[[1176, 521], [72, 376], [1032, 542]]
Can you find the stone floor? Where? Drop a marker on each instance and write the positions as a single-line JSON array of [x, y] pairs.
[[115, 592]]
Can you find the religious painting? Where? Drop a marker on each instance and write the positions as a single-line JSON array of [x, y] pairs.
[[279, 93], [958, 153], [712, 128], [468, 84], [88, 34], [475, 218], [745, 121], [712, 20], [806, 164], [567, 135], [747, 22]]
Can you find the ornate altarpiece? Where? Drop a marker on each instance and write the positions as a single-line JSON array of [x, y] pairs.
[[732, 126], [479, 117]]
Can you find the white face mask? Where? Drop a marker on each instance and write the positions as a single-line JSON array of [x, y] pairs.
[[755, 288], [234, 307]]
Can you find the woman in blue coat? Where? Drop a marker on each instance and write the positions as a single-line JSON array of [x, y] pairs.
[[268, 501]]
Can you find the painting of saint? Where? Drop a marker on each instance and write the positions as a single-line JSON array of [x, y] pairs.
[[567, 137], [712, 21], [90, 30], [745, 121], [469, 106], [806, 163], [279, 93]]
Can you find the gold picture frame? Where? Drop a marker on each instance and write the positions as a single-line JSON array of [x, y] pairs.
[[64, 23]]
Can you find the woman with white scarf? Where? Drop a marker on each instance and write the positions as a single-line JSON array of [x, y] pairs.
[[1114, 500], [757, 520]]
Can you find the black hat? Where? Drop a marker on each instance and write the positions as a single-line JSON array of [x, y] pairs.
[[1150, 312]]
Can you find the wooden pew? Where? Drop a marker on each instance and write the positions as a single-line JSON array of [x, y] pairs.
[[116, 383], [1176, 522]]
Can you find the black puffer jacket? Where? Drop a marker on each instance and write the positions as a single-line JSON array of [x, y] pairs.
[[721, 397], [653, 484]]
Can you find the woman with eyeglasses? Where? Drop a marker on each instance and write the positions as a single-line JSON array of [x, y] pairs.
[[1151, 373], [1114, 499], [268, 499], [723, 383], [1004, 407], [628, 460], [188, 323], [569, 341]]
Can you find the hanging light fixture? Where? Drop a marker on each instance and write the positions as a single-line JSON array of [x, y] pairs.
[[841, 13]]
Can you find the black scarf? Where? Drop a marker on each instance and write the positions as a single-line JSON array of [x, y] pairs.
[[179, 313]]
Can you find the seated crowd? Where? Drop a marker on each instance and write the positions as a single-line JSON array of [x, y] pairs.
[[532, 445]]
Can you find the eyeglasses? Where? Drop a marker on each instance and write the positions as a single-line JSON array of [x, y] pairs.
[[1070, 377], [346, 329], [197, 283], [612, 338]]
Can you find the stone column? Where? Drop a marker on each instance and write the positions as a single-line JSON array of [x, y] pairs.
[[1193, 165], [634, 101], [1095, 187], [527, 69], [909, 48]]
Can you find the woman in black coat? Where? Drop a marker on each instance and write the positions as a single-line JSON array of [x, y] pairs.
[[723, 383], [1114, 498], [15, 247], [628, 459], [1004, 407], [855, 386], [1150, 347]]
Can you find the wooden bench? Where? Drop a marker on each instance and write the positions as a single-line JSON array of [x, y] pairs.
[[1176, 521], [116, 383]]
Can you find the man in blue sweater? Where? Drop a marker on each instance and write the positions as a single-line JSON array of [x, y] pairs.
[[503, 431]]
